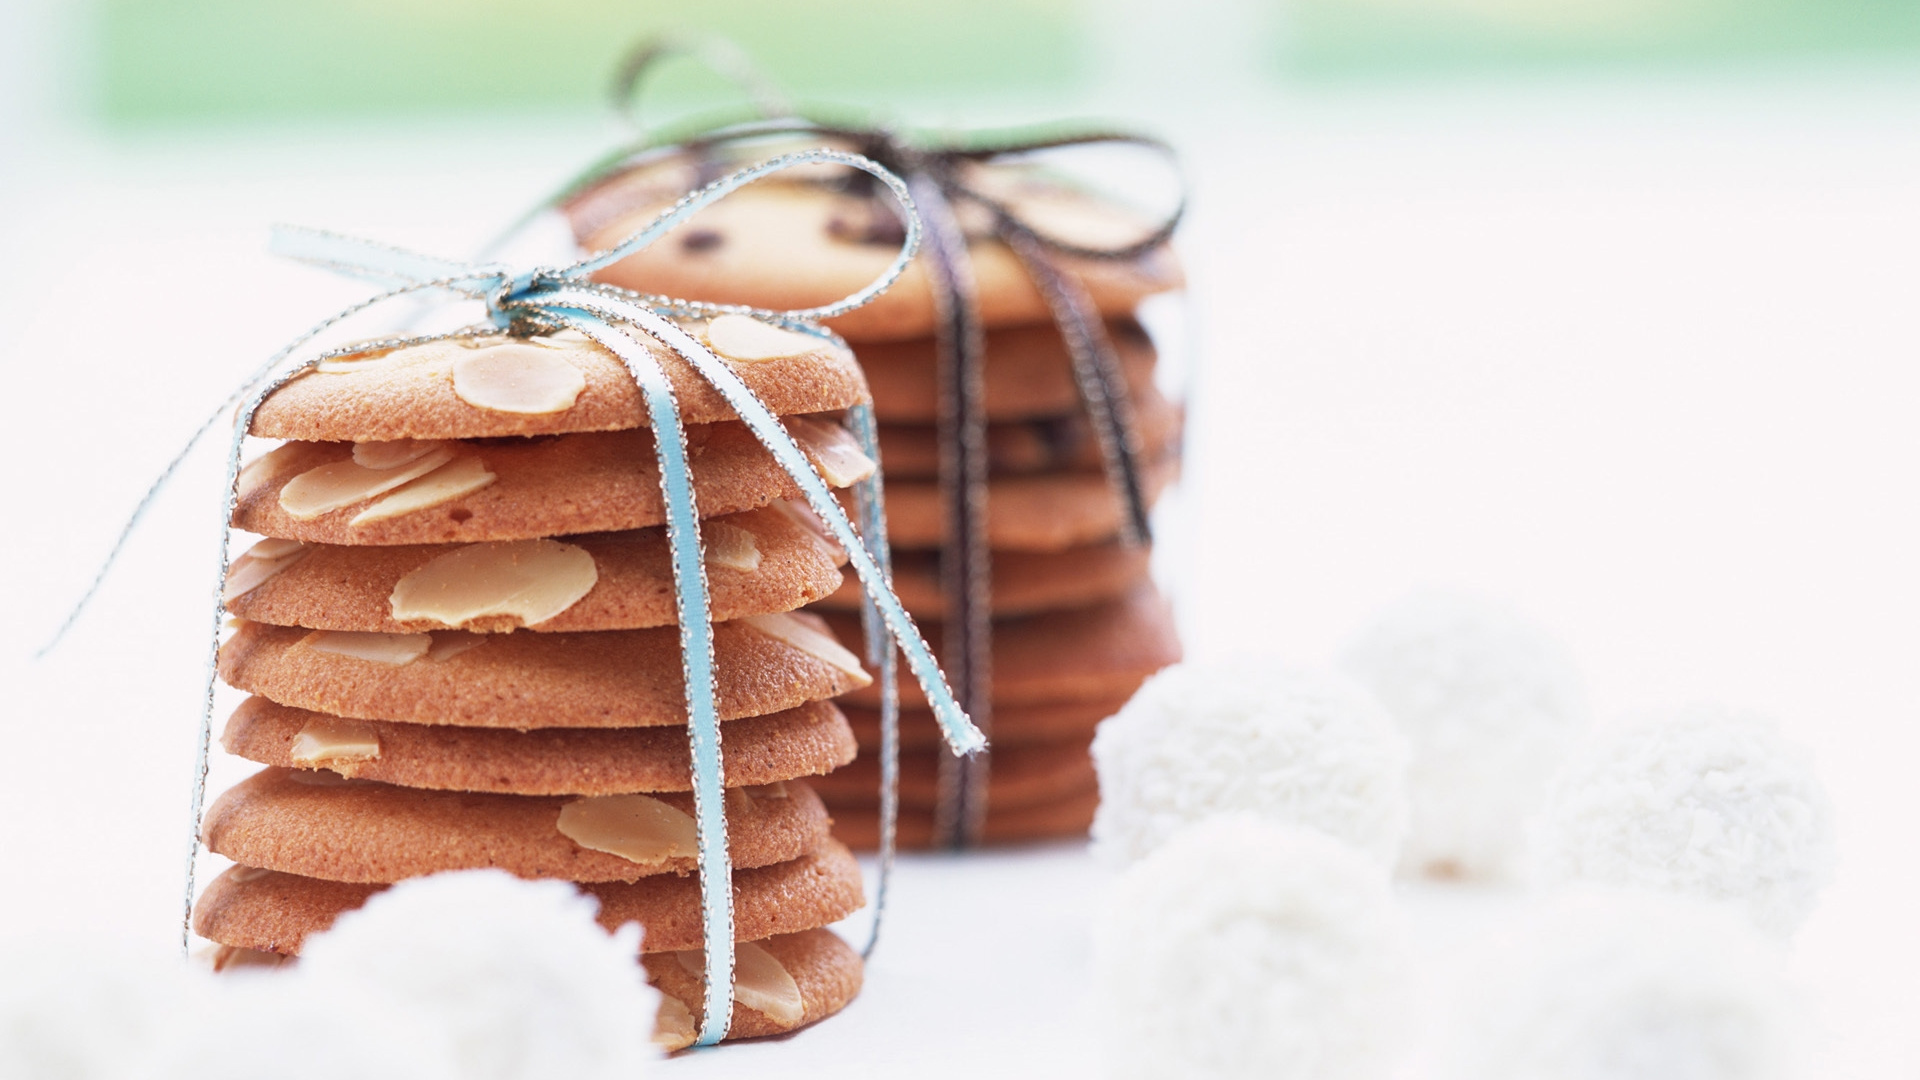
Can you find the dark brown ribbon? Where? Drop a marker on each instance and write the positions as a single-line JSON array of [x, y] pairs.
[[934, 174]]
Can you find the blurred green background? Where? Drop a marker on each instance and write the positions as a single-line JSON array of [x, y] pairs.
[[168, 60]]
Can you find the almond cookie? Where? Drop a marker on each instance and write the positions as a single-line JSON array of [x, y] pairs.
[[1024, 582], [1021, 776], [436, 492], [806, 741], [1062, 443], [1041, 512], [493, 386], [274, 912], [320, 824], [1068, 817], [1028, 374], [605, 679], [758, 562], [1095, 653], [1013, 725], [790, 245], [781, 984]]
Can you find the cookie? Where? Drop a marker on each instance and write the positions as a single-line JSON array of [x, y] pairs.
[[789, 245], [1013, 725], [319, 824], [1040, 512], [495, 386], [513, 489], [1064, 443], [1069, 817], [273, 912], [1027, 376], [1020, 776], [1096, 653], [1024, 582], [821, 975], [758, 562], [805, 741], [605, 679]]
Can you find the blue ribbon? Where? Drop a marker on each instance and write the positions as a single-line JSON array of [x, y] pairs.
[[548, 299]]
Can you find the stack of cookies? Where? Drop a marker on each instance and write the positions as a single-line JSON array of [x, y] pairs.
[[1077, 623], [458, 634]]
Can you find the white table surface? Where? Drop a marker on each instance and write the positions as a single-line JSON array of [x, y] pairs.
[[1640, 359]]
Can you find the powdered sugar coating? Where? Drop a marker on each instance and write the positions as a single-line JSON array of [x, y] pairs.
[[1610, 984], [1702, 801], [1491, 704], [517, 975], [1294, 746], [1241, 948]]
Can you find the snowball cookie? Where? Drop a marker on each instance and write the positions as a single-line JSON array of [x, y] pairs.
[[1242, 948], [1702, 801], [1615, 985], [1491, 704], [1297, 747], [516, 975]]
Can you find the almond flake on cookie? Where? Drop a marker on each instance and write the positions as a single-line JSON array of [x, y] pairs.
[[518, 378], [261, 562], [332, 741], [738, 337], [638, 828], [730, 546], [760, 981], [460, 477], [818, 643], [531, 580], [395, 649], [833, 450], [343, 483]]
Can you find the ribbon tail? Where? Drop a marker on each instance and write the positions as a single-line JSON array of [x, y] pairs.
[[1098, 376], [870, 499], [965, 561], [242, 423], [379, 264], [696, 649]]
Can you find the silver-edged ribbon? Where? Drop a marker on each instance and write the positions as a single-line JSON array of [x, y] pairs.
[[934, 172], [556, 298]]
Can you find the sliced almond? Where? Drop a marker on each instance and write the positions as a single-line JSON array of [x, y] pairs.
[[462, 477], [530, 580], [638, 828], [261, 562], [343, 483], [333, 741], [235, 958], [730, 546], [739, 337], [802, 515], [760, 981], [263, 468], [448, 644], [518, 378], [393, 454], [396, 649], [785, 627], [673, 1025], [833, 450]]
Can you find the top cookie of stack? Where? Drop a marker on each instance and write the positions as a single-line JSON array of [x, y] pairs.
[[1077, 624], [458, 634]]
